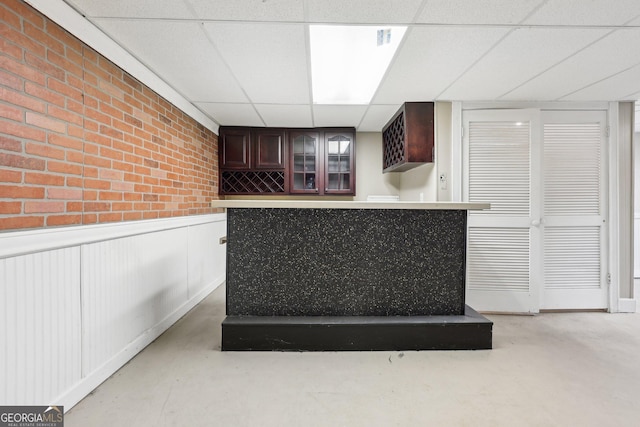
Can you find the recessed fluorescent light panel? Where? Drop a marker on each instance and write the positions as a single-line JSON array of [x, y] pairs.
[[348, 62]]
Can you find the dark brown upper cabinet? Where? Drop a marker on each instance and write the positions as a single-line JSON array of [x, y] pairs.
[[252, 161], [318, 161], [235, 148], [269, 149], [246, 148], [408, 138]]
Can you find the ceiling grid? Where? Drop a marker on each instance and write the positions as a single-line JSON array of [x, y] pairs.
[[247, 62]]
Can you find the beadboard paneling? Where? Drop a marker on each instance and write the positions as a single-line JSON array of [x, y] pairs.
[[39, 326], [77, 303], [210, 264], [129, 285]]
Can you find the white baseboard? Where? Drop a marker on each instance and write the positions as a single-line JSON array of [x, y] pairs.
[[85, 386], [626, 305], [636, 292]]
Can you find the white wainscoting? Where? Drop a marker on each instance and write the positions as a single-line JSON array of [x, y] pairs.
[[40, 325], [79, 302]]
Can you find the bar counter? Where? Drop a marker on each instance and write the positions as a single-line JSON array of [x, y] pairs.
[[336, 275]]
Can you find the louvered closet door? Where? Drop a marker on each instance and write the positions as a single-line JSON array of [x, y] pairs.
[[573, 221], [499, 166]]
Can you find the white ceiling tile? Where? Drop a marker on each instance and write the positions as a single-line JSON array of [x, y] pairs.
[[601, 60], [338, 115], [376, 117], [477, 12], [269, 60], [580, 12], [225, 55], [285, 115], [431, 59], [615, 87], [180, 53], [363, 11], [249, 10], [174, 9], [523, 54], [227, 114]]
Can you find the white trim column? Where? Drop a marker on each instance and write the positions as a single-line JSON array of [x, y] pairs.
[[621, 207]]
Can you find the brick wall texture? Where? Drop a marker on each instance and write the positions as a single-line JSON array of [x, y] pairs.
[[83, 142]]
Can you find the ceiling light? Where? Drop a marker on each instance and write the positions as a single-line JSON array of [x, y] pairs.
[[348, 62]]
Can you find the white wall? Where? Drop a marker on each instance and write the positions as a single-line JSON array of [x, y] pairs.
[[369, 177], [79, 302], [419, 184], [444, 150]]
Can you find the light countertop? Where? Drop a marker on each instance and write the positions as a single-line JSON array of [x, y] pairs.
[[328, 204]]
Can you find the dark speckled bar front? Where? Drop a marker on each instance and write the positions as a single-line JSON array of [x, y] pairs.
[[345, 262]]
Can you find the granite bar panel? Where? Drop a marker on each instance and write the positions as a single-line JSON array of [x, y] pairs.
[[345, 262]]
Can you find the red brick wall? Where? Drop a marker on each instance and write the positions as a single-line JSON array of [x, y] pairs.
[[83, 142]]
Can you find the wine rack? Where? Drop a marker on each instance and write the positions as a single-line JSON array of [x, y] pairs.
[[252, 182]]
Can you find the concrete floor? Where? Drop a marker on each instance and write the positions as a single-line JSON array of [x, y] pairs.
[[576, 369]]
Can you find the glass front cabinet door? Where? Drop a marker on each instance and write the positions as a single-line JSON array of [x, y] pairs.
[[305, 162], [339, 177], [322, 162]]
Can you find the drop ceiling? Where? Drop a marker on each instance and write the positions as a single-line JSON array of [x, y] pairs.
[[246, 62]]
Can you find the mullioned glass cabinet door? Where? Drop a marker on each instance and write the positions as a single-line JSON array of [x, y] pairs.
[[305, 157], [339, 176]]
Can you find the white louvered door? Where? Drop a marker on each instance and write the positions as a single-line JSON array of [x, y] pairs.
[[542, 245], [501, 271], [573, 221]]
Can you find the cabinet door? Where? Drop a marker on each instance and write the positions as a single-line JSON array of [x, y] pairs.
[[339, 160], [305, 156], [235, 149], [269, 149]]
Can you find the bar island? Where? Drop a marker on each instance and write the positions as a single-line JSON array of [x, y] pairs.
[[341, 275]]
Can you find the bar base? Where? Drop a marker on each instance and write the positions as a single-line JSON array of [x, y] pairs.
[[470, 331]]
